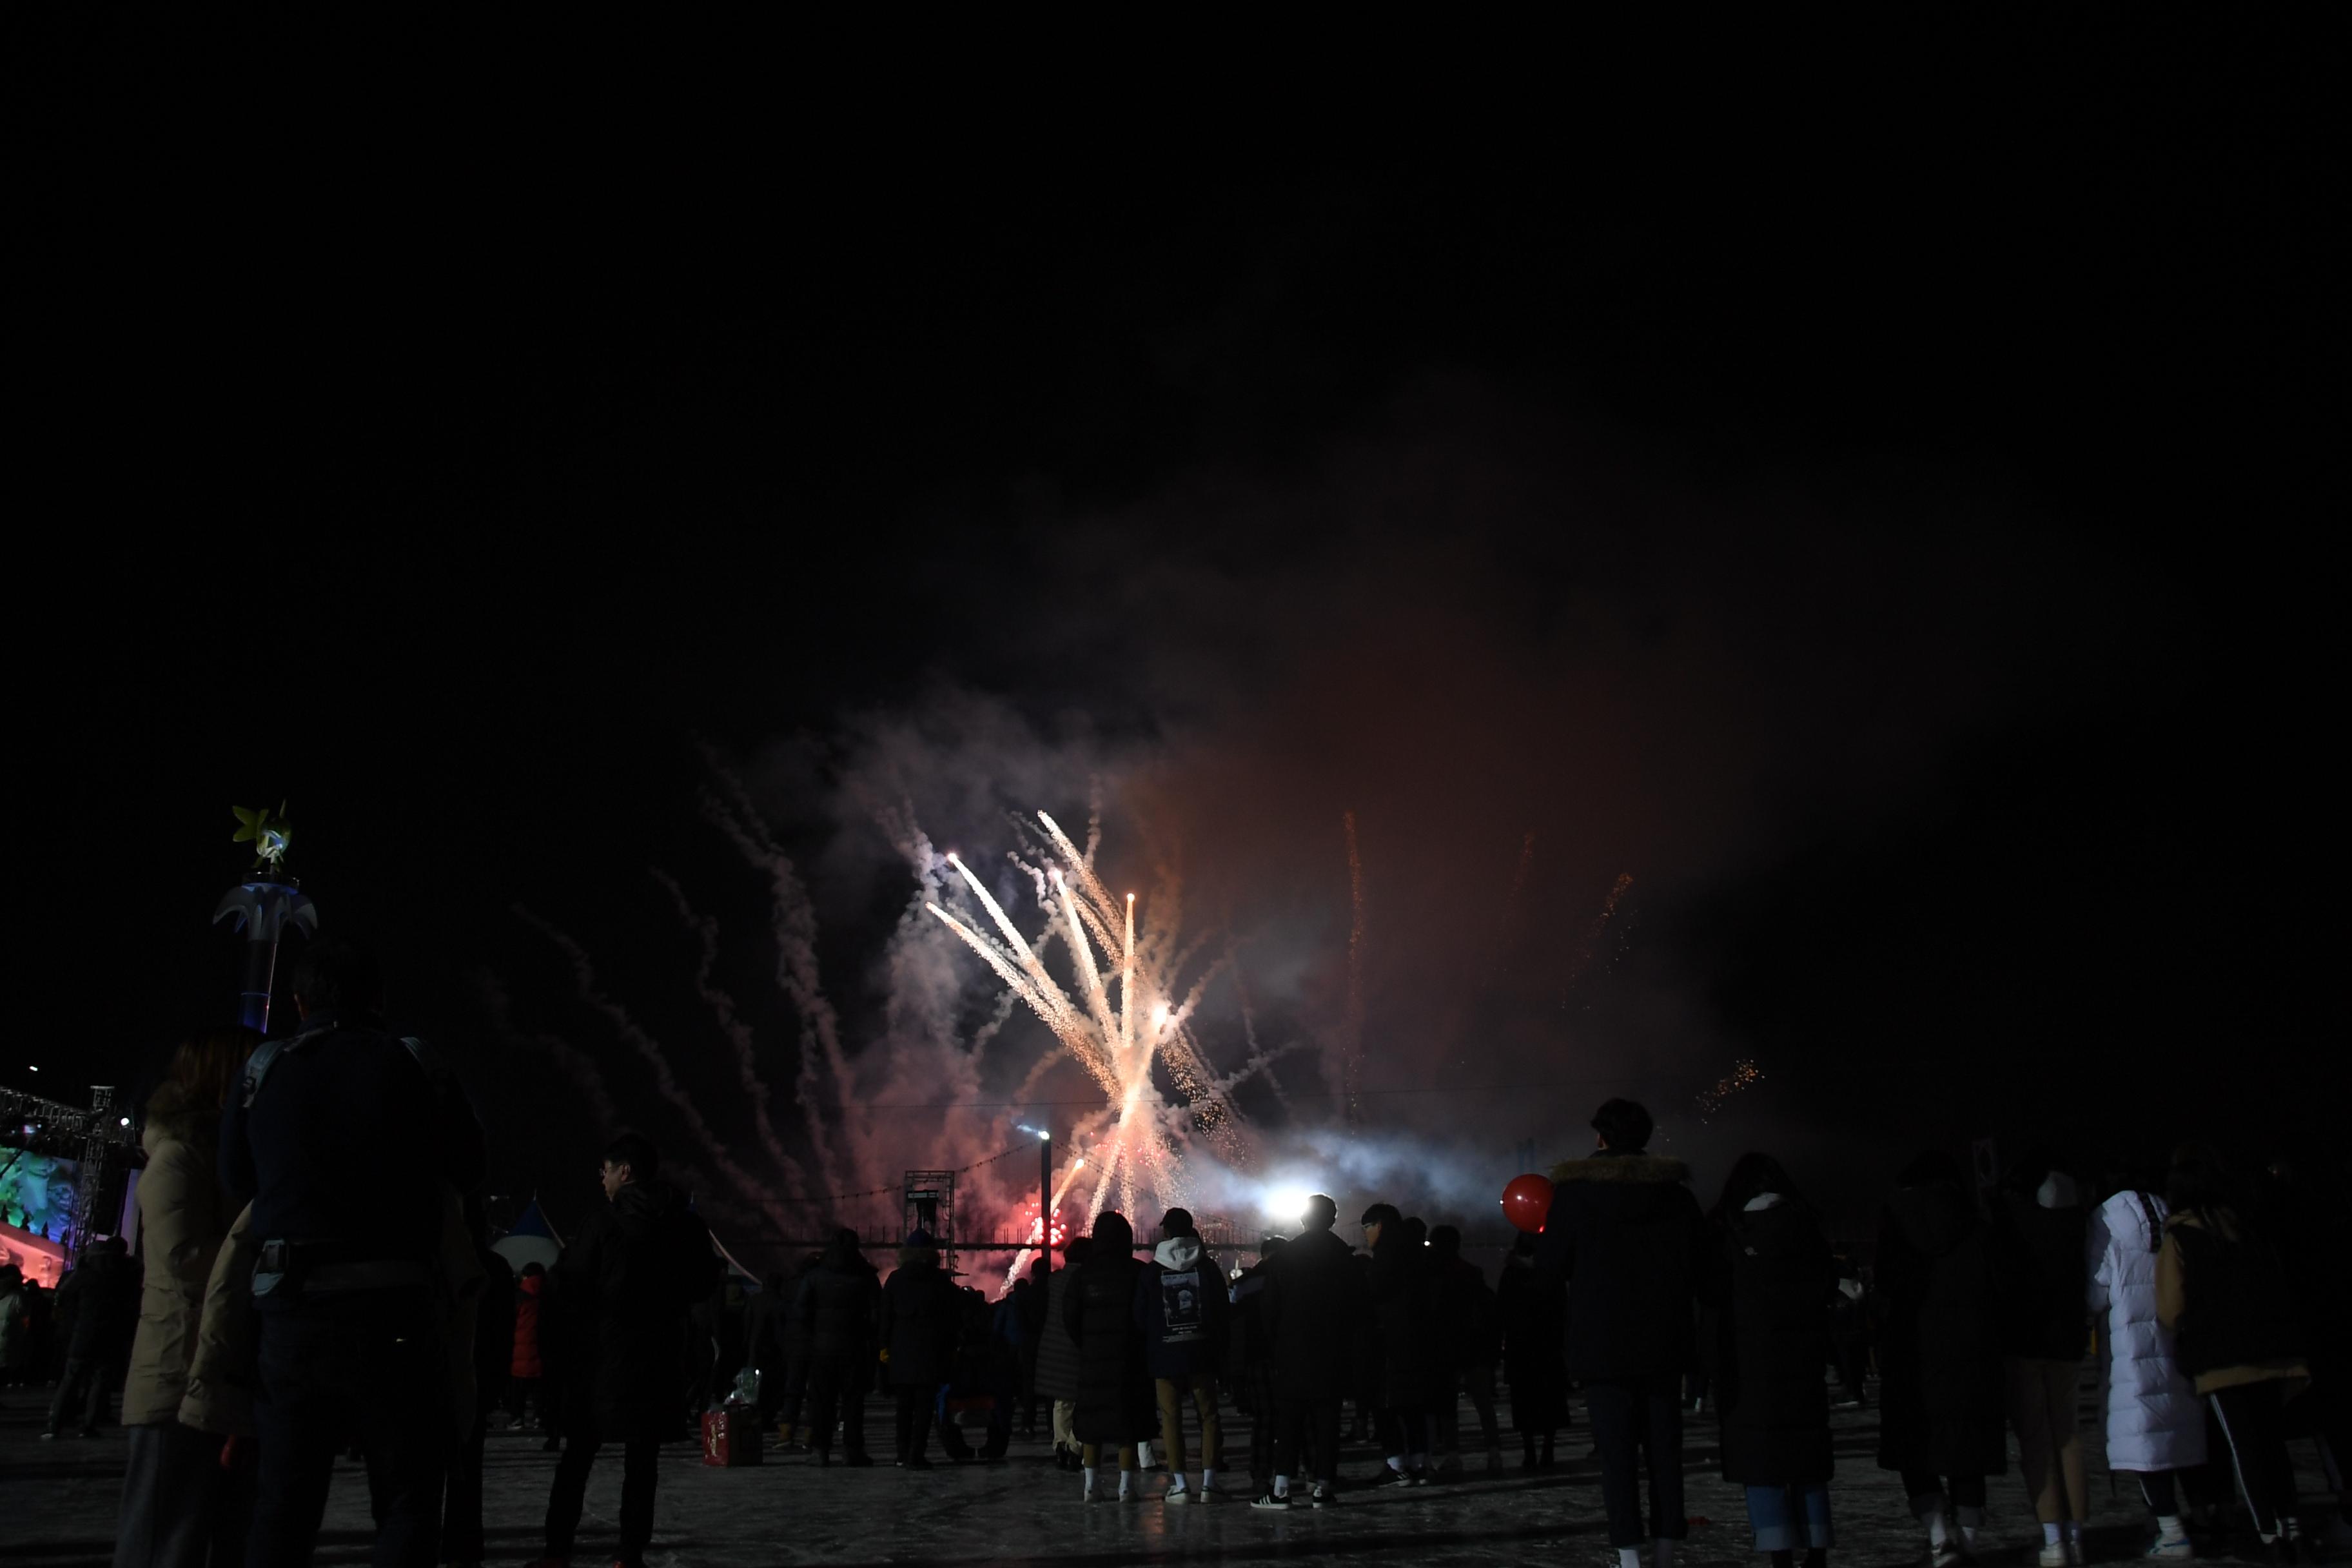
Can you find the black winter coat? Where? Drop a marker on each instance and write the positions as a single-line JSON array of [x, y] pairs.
[[1777, 1282], [1116, 1404], [1406, 1367], [840, 1303], [1468, 1334], [2039, 1266], [625, 1285], [1181, 1311], [1058, 1352], [1316, 1306], [1533, 1306], [1939, 1337], [100, 1301], [921, 1318], [1627, 1236]]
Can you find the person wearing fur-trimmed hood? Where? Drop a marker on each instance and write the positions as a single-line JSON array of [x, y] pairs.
[[1627, 1234]]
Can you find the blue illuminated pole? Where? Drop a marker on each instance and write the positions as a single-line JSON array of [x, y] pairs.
[[265, 903]]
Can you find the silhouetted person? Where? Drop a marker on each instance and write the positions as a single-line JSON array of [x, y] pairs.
[[1774, 1281], [1627, 1236], [352, 1146], [1469, 1342], [2154, 1422], [919, 1324], [1179, 1309], [1249, 1362], [1406, 1332], [100, 1299], [494, 1335], [173, 1497], [1533, 1306], [1116, 1408], [1058, 1359], [2222, 1291], [625, 1285], [1941, 1416], [2038, 1233], [841, 1302], [1316, 1306]]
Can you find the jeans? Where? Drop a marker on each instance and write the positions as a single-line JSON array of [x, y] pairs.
[[640, 1469], [2049, 1443], [368, 1361], [87, 1380], [1631, 1416], [1202, 1386], [1788, 1518]]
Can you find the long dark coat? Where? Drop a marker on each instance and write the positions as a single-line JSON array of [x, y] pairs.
[[1939, 1337], [1533, 1306], [921, 1316], [626, 1284], [1316, 1306], [1058, 1352], [2040, 1264], [840, 1301], [1116, 1404], [1406, 1365], [1777, 1282]]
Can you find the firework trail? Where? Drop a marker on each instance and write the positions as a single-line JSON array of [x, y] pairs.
[[584, 975], [738, 1033], [1592, 934], [575, 1062], [1744, 1072], [1351, 1027], [1124, 1011], [794, 919]]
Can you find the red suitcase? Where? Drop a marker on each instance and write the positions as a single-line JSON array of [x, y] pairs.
[[730, 1437]]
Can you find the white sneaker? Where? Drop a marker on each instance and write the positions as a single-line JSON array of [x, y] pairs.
[[1176, 1491], [2173, 1549], [2052, 1555]]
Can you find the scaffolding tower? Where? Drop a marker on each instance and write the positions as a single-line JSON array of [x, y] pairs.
[[927, 1199]]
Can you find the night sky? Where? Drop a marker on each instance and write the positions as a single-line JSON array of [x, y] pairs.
[[1880, 509]]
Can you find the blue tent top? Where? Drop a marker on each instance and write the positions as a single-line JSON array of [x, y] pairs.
[[532, 1222]]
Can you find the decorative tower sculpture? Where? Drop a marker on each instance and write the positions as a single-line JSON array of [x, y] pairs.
[[265, 903]]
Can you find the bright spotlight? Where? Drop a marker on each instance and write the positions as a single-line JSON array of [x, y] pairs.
[[1287, 1204], [1043, 1136]]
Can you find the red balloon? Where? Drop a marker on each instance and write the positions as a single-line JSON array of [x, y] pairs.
[[1526, 1202]]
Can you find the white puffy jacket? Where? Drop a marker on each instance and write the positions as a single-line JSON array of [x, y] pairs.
[[2154, 1420]]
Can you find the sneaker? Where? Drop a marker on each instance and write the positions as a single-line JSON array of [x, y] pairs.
[[2052, 1555], [2173, 1549], [1267, 1499], [1176, 1491], [1391, 1477], [1202, 1494], [1323, 1496], [1951, 1555]]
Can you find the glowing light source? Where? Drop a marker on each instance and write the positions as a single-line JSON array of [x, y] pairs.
[[1287, 1204]]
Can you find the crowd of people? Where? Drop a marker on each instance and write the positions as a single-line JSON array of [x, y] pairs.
[[315, 1280]]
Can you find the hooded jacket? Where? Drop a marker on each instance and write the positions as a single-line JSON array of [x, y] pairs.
[[624, 1286], [1627, 1236], [919, 1319], [1939, 1339], [1181, 1307], [2154, 1419]]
